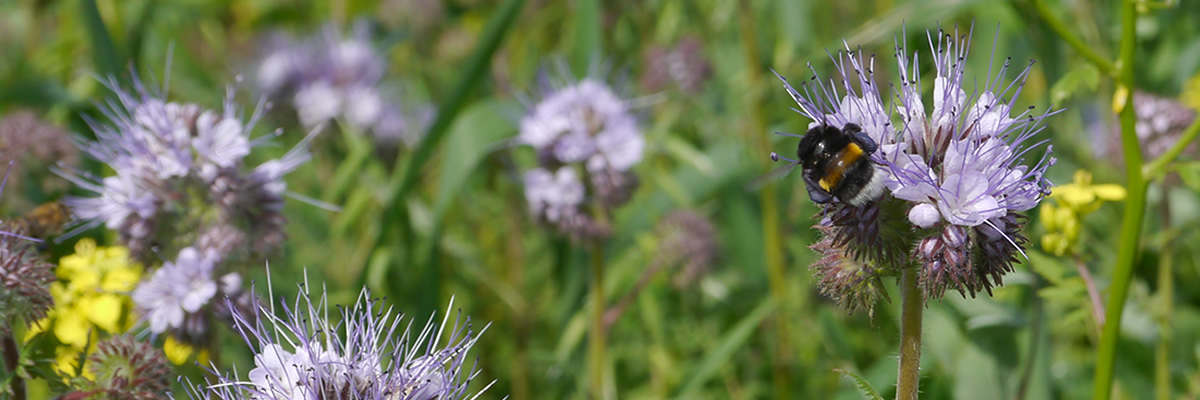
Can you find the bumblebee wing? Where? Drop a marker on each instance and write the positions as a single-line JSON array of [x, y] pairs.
[[864, 140], [774, 175], [818, 195]]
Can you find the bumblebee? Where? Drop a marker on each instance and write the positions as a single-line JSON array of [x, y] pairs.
[[44, 221], [836, 164]]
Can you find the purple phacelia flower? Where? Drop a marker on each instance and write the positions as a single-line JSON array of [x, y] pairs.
[[179, 173], [369, 354], [956, 174], [178, 288], [587, 141], [335, 77], [585, 122]]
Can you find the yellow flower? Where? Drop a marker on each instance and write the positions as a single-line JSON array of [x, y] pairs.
[[178, 352], [67, 361], [1083, 197], [1073, 201], [91, 297]]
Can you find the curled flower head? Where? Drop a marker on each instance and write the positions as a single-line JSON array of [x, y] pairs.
[[123, 368], [959, 169], [368, 354], [583, 128], [25, 279], [180, 172]]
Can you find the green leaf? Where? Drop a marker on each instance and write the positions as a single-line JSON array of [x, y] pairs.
[[862, 384], [1190, 174], [728, 345], [1083, 77], [404, 176], [480, 130], [1049, 267], [104, 53], [587, 36]]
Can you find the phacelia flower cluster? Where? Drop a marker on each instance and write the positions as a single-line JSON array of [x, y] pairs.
[[180, 176], [369, 354], [587, 140], [957, 174], [683, 65], [25, 279], [330, 77], [182, 192]]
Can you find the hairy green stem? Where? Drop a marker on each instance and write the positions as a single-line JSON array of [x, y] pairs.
[[1165, 309], [1102, 63], [1135, 209], [596, 342], [1157, 167], [12, 360], [913, 306]]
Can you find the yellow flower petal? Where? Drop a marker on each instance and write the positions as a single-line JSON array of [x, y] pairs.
[[121, 279], [72, 328], [105, 311], [1047, 212], [1075, 196], [67, 360], [178, 353], [1109, 192]]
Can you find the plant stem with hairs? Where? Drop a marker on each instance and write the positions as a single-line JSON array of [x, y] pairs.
[[1135, 208], [12, 361], [596, 338], [1166, 307], [1135, 179], [912, 308]]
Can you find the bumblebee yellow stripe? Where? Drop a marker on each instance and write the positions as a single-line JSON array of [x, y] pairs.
[[837, 167]]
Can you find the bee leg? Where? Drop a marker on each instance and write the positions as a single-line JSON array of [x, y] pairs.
[[818, 195]]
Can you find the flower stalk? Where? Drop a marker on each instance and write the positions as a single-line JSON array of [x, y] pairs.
[[912, 310], [596, 338], [1135, 208]]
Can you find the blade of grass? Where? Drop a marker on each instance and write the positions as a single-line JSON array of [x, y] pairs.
[[105, 55], [588, 43], [404, 175], [729, 344]]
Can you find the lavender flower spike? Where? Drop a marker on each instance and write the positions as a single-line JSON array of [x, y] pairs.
[[370, 354]]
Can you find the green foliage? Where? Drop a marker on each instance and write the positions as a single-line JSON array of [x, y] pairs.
[[448, 216]]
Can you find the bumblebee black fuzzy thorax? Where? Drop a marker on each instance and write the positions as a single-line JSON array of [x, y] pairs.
[[837, 164]]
